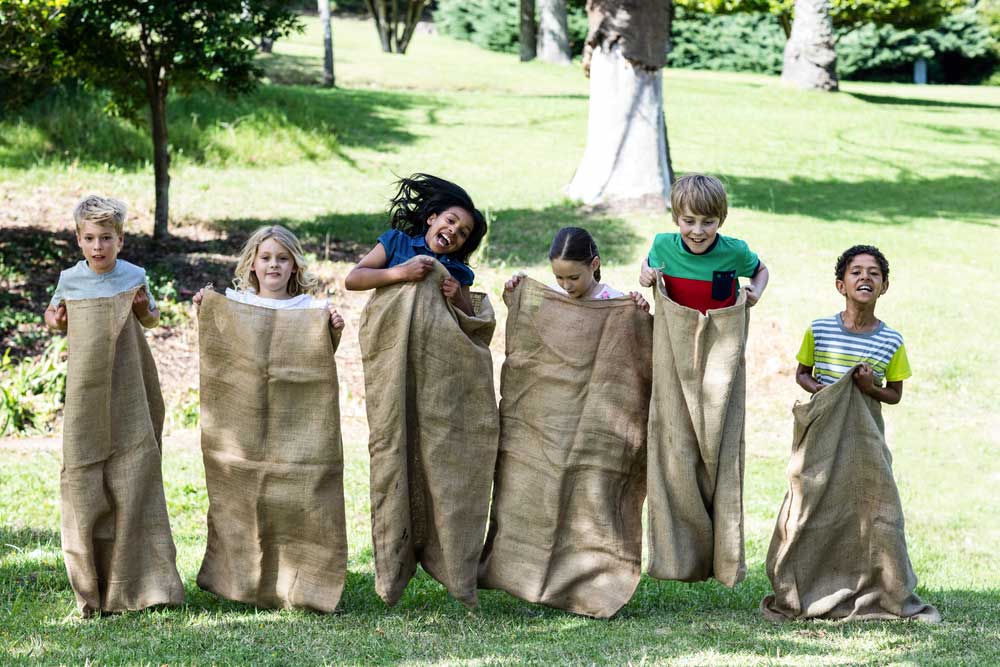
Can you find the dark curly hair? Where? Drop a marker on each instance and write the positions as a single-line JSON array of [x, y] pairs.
[[420, 196], [576, 245], [854, 251]]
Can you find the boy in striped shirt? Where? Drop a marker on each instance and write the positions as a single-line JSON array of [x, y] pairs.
[[700, 267], [833, 345]]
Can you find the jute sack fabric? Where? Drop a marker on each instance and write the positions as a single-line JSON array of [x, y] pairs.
[[838, 550], [566, 524], [696, 442], [433, 424], [115, 531], [274, 467]]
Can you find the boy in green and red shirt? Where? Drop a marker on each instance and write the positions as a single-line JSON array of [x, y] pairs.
[[700, 267]]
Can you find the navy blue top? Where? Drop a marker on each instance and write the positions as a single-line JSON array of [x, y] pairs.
[[400, 247]]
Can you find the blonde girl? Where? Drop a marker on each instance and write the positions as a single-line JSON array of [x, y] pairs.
[[271, 273]]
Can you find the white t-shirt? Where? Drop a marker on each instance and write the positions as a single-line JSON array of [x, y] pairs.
[[80, 282], [299, 302], [600, 292]]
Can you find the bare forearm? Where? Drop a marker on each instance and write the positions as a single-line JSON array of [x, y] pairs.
[[760, 280], [888, 395], [808, 382], [362, 278]]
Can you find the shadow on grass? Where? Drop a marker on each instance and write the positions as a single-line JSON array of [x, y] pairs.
[[71, 126], [970, 199], [917, 102]]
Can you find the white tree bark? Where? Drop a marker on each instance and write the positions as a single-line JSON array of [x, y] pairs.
[[553, 32], [810, 53], [324, 17], [625, 161]]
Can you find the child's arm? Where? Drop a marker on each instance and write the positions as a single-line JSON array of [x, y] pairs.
[[891, 393], [56, 319], [148, 317], [370, 273], [458, 294], [757, 285], [804, 378], [647, 275]]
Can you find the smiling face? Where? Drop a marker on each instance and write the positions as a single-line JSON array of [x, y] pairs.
[[100, 245], [273, 266], [448, 230], [576, 278], [863, 282], [698, 231]]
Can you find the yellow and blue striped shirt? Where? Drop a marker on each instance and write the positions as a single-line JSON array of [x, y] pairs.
[[832, 350]]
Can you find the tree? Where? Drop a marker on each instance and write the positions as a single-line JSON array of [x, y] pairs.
[[627, 159], [329, 81], [30, 60], [141, 50], [810, 54], [553, 32], [528, 34], [395, 28]]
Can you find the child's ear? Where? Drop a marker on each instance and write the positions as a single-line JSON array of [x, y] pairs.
[[841, 287], [595, 263], [885, 287]]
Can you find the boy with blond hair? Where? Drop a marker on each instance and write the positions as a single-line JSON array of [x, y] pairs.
[[701, 267], [115, 532], [100, 233]]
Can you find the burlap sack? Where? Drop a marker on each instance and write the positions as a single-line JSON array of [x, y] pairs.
[[274, 467], [838, 549], [115, 532], [566, 524], [432, 417], [696, 443]]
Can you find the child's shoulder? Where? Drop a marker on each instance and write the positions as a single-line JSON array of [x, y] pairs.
[[127, 268]]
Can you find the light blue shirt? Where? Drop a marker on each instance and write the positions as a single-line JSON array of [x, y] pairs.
[[80, 282]]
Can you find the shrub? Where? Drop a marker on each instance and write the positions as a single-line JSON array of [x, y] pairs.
[[32, 391]]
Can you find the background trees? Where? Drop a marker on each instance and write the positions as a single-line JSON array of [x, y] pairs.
[[395, 22], [140, 51]]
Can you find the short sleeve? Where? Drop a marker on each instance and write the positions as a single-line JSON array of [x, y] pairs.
[[657, 252], [899, 366], [748, 261], [59, 294], [390, 241], [805, 355], [149, 293]]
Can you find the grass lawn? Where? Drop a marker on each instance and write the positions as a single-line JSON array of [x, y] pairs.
[[911, 169]]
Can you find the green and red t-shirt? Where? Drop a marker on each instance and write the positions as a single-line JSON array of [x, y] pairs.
[[704, 281]]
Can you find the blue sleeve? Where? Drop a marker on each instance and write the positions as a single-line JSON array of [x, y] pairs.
[[391, 240], [58, 295]]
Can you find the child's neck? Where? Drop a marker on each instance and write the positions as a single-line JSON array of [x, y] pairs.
[[859, 318], [98, 271], [278, 296]]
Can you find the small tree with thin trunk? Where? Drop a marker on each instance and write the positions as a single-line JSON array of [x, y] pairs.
[[329, 81], [553, 32], [395, 22], [627, 159], [142, 50]]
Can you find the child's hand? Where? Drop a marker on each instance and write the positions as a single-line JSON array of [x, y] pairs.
[[450, 287], [864, 378], [140, 304], [415, 271], [647, 276], [514, 281], [641, 303], [753, 296], [200, 294], [336, 320], [61, 318]]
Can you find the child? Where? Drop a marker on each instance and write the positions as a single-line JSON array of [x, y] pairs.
[[833, 345], [431, 218], [100, 225], [115, 532], [576, 265], [700, 266], [271, 273]]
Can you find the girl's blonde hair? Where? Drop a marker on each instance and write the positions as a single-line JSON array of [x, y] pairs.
[[300, 282]]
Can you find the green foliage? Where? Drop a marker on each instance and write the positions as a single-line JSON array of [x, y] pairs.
[[917, 14], [186, 413], [494, 24], [30, 60], [738, 42], [173, 311], [32, 390], [959, 50]]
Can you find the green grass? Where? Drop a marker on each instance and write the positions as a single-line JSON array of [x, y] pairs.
[[910, 169]]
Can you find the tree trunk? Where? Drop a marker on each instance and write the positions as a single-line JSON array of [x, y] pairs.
[[625, 161], [156, 94], [380, 16], [810, 53], [528, 31], [324, 16], [553, 32]]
